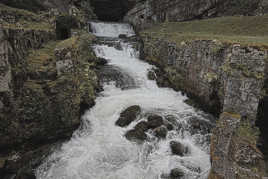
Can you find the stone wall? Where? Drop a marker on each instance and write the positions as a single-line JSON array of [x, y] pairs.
[[146, 13], [229, 77]]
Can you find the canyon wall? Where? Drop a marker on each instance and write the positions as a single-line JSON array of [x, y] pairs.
[[146, 13], [45, 85], [226, 79]]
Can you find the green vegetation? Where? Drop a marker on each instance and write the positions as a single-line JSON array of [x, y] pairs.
[[42, 61], [248, 132], [239, 29], [22, 19]]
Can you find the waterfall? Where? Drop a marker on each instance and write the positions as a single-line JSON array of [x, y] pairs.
[[111, 29], [99, 150]]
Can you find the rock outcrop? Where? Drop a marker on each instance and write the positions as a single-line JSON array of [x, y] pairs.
[[45, 87], [227, 79], [146, 13]]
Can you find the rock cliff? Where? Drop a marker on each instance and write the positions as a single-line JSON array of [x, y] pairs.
[[146, 13], [226, 76], [45, 86]]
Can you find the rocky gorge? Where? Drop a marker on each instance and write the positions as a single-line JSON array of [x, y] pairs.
[[50, 75]]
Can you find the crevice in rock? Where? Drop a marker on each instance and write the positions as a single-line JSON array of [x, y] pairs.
[[262, 124]]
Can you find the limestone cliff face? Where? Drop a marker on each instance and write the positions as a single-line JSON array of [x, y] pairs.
[[45, 85], [227, 79], [146, 13]]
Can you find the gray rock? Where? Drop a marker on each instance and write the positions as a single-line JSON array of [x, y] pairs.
[[177, 148], [143, 125], [176, 173], [161, 132], [136, 135], [122, 36], [155, 121], [128, 116]]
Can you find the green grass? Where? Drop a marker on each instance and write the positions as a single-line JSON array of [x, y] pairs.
[[246, 30], [25, 19]]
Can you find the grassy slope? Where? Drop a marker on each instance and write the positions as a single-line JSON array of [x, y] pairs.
[[25, 19], [247, 30]]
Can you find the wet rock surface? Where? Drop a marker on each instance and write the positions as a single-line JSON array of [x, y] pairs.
[[176, 173], [110, 73], [155, 121], [128, 115], [136, 135], [160, 132], [178, 148]]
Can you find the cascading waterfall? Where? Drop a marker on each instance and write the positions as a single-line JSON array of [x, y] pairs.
[[99, 150]]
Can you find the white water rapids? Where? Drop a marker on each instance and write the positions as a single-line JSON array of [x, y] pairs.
[[99, 150]]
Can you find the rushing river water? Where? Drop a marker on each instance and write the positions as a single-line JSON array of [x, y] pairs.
[[99, 150]]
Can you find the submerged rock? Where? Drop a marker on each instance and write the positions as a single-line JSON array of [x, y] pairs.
[[122, 36], [155, 121], [177, 148], [176, 173], [128, 116]]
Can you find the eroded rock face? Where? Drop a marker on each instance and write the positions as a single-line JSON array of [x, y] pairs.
[[223, 78], [146, 13], [233, 152], [39, 108]]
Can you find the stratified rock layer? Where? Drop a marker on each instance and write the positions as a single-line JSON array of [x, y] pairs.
[[145, 13], [223, 77]]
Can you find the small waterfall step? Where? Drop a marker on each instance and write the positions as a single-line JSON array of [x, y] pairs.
[[112, 29]]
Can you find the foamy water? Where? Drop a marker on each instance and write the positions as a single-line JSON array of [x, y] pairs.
[[99, 150]]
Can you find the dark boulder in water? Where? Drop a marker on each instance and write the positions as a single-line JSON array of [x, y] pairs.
[[176, 173], [122, 36], [177, 148], [143, 125], [199, 126], [136, 135], [161, 132], [155, 121], [128, 116]]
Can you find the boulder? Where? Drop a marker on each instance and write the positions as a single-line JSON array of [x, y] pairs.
[[101, 61], [136, 135], [122, 36], [199, 126], [128, 116], [151, 75], [168, 125], [161, 132], [176, 173], [155, 121], [143, 125], [177, 148]]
